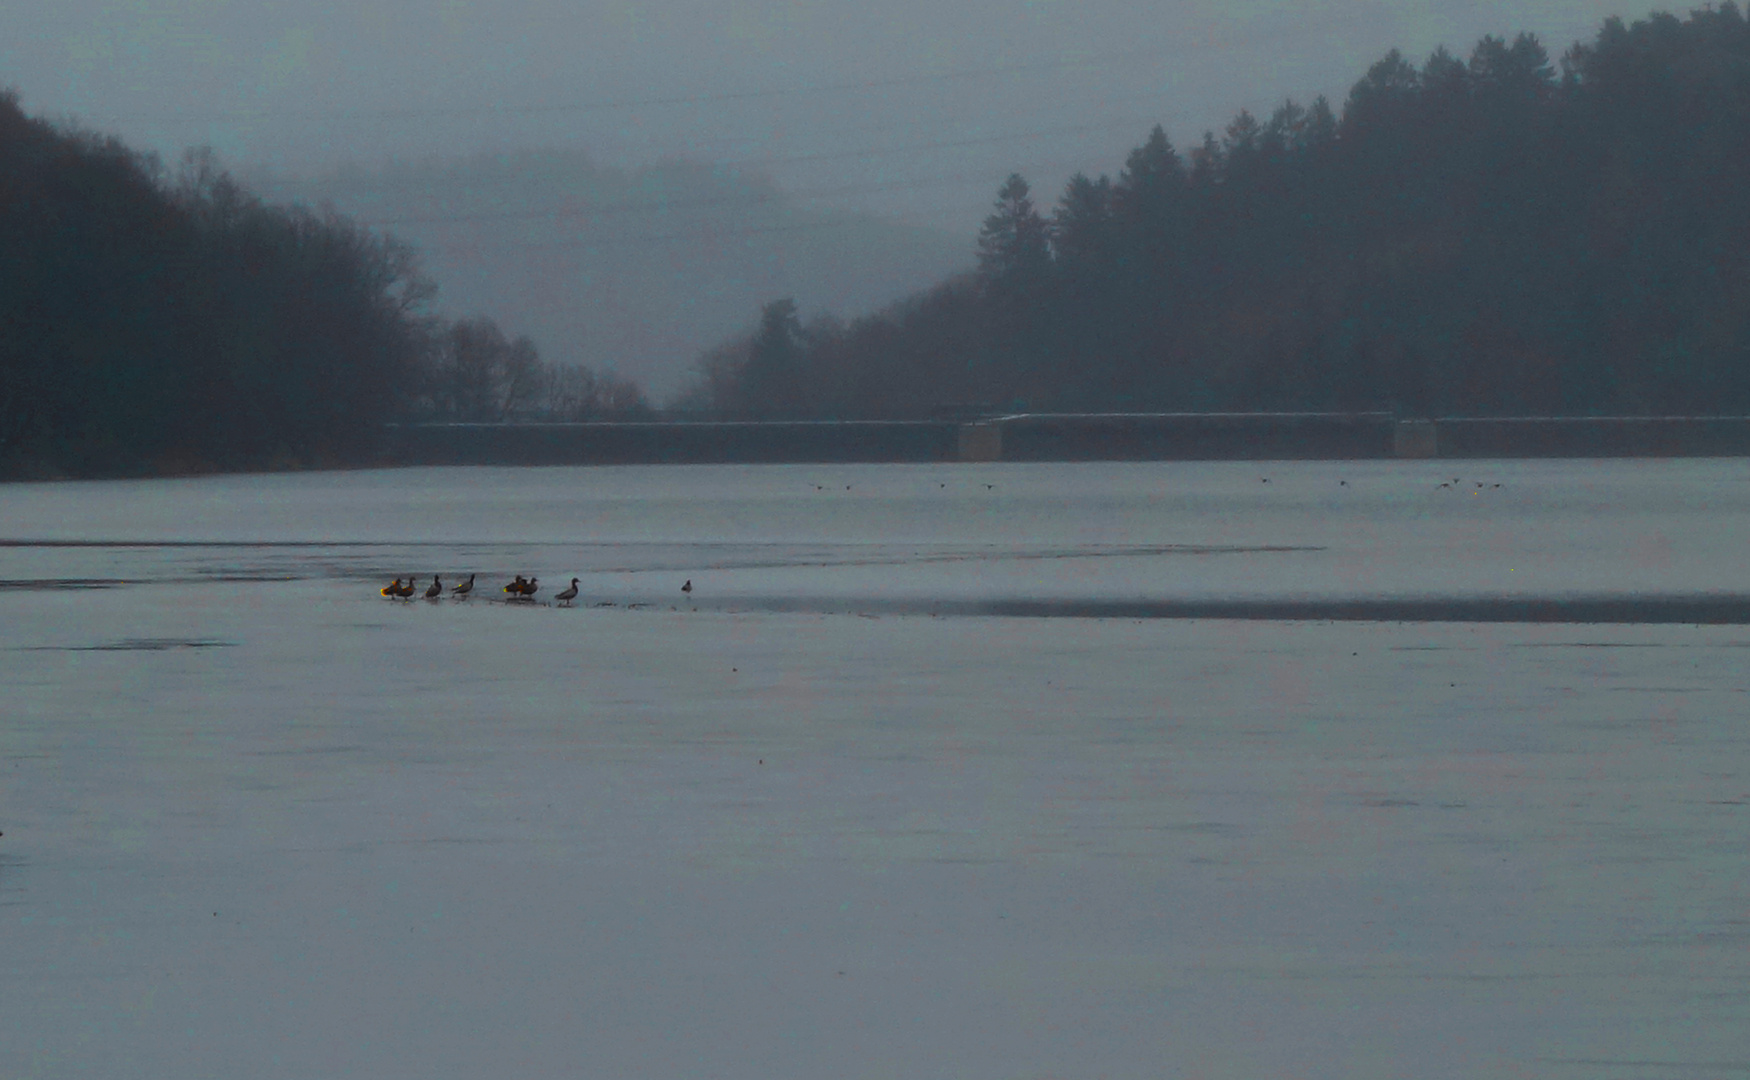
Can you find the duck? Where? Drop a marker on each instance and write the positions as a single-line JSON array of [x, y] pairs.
[[393, 589], [515, 588], [568, 595], [405, 592], [464, 588], [529, 587], [435, 589], [688, 587]]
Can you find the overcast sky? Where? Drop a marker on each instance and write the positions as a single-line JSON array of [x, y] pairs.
[[914, 108]]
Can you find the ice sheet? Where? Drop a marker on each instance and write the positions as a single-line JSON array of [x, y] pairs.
[[259, 821]]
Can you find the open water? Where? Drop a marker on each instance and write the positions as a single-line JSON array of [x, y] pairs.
[[931, 775]]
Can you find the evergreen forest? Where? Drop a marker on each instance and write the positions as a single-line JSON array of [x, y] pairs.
[[1497, 234]]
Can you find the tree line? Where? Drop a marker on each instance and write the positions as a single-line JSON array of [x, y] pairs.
[[474, 374], [156, 320], [1492, 235]]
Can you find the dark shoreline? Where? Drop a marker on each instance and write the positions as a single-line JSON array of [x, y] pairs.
[[1018, 437]]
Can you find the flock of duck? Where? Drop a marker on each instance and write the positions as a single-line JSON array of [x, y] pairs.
[[519, 589]]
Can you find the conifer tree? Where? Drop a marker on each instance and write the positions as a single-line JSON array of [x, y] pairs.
[[1081, 227], [769, 383], [1014, 247]]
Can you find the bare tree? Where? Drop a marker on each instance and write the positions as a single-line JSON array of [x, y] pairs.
[[572, 393], [523, 379]]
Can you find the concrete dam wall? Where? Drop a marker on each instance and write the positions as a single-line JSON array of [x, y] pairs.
[[1067, 437]]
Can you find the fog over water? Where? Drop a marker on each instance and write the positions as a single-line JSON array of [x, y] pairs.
[[841, 154], [259, 820], [904, 108]]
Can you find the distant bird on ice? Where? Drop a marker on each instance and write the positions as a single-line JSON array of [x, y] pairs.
[[435, 589], [464, 588], [529, 587], [515, 588], [568, 595], [405, 592], [688, 587], [393, 589]]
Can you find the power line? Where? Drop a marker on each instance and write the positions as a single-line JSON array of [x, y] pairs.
[[697, 237], [701, 149], [1228, 42], [702, 235], [844, 155], [411, 112], [752, 198]]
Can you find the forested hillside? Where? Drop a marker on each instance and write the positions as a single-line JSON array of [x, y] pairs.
[[155, 321], [630, 270], [1497, 234]]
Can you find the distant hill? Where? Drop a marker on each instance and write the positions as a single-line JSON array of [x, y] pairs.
[[158, 323], [1503, 235], [635, 272]]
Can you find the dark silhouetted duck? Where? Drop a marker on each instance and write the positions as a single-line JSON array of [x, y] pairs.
[[405, 592], [464, 588], [688, 587], [529, 587], [393, 589], [568, 595], [435, 589], [515, 588]]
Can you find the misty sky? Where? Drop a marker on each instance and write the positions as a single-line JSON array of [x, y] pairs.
[[914, 108]]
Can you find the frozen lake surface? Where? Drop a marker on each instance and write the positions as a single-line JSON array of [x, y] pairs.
[[830, 817]]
